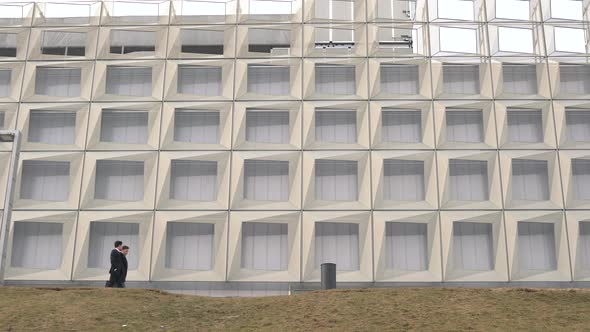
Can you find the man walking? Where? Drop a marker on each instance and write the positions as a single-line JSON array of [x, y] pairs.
[[125, 252], [117, 265]]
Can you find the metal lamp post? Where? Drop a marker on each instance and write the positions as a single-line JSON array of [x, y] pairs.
[[8, 136]]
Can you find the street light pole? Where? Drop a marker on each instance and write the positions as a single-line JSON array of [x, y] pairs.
[[7, 136]]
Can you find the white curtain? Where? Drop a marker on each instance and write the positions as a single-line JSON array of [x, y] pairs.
[[585, 244], [125, 127], [189, 246], [530, 180], [5, 80], [574, 79], [581, 178], [193, 180], [52, 127], [63, 42], [59, 82], [37, 245], [403, 180], [399, 79], [465, 126], [267, 126], [401, 126], [578, 125], [407, 246], [265, 246], [264, 40], [525, 126], [335, 79], [119, 180], [536, 246], [44, 180], [461, 79], [324, 35], [7, 40], [196, 126], [266, 180], [128, 41], [102, 239], [340, 10], [335, 126], [129, 81], [199, 80], [469, 180], [337, 243], [336, 180], [473, 246], [520, 79], [269, 80]]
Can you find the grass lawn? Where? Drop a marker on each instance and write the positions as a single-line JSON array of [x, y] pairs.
[[431, 309]]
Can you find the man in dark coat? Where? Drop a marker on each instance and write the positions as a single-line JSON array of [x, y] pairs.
[[116, 266], [125, 252]]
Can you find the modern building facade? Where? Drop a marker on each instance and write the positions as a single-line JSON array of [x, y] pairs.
[[237, 145]]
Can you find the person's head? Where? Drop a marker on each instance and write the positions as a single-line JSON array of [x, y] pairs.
[[125, 250], [118, 244]]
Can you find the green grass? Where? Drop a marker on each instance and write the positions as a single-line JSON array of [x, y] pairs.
[[428, 309]]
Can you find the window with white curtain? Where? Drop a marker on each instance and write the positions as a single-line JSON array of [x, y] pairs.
[[335, 79], [335, 126], [199, 80], [63, 43], [530, 180], [464, 126], [193, 180], [520, 79], [461, 79], [119, 180], [525, 126], [265, 246], [401, 125], [45, 180], [268, 40], [129, 81], [333, 37], [581, 178], [341, 10], [337, 243], [58, 81], [189, 246], [407, 246], [468, 179], [201, 41], [266, 180], [2, 118], [584, 241], [5, 80], [267, 126], [124, 127], [37, 245], [102, 239], [130, 41], [403, 180], [399, 79], [8, 45], [269, 80], [193, 126], [536, 246], [577, 125], [473, 247], [49, 127], [574, 79], [336, 180]]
